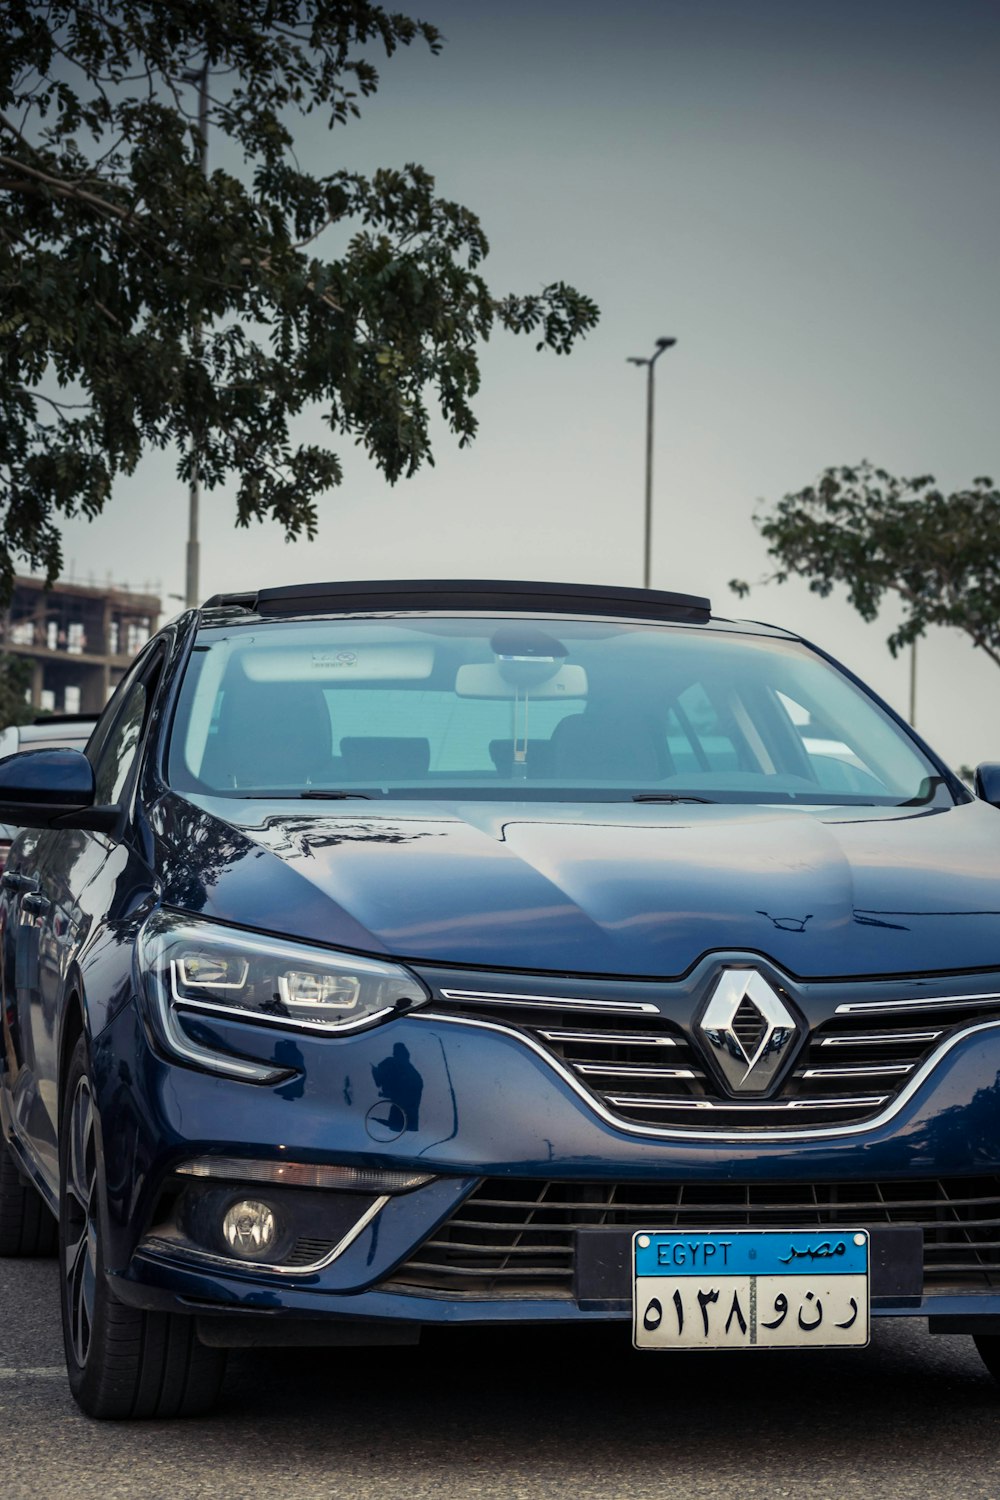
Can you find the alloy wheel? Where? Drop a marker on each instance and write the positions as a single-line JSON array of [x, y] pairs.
[[80, 1253]]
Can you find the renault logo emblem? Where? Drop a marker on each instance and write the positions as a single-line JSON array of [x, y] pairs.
[[747, 1030]]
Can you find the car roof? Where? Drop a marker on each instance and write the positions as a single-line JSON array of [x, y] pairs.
[[469, 596], [340, 596]]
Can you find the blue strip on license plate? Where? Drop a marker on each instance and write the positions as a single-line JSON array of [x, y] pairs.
[[750, 1289], [749, 1253]]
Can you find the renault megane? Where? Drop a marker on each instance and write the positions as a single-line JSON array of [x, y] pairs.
[[481, 952]]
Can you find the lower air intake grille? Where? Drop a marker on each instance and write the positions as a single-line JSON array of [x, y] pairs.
[[516, 1238]]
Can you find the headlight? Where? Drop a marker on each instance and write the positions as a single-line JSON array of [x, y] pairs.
[[186, 964]]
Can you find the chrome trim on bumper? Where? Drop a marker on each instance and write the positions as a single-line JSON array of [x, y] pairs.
[[159, 1247]]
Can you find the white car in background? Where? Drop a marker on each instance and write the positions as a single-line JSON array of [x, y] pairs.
[[54, 732]]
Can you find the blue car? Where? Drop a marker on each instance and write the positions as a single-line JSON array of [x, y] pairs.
[[420, 953]]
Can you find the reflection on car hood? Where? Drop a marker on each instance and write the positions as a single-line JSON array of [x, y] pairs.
[[599, 888]]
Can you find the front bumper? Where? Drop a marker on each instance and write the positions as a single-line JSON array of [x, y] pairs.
[[488, 1107]]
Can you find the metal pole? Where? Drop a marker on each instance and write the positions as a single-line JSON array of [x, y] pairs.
[[913, 685], [647, 548], [191, 584], [191, 590]]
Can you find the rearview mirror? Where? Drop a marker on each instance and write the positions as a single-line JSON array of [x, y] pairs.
[[487, 680], [51, 789]]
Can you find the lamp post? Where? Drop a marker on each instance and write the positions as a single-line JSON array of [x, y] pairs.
[[661, 345], [191, 586]]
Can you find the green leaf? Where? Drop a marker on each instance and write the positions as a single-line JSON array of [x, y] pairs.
[[148, 303], [936, 556]]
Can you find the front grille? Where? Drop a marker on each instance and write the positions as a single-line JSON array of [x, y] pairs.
[[646, 1068], [516, 1238]]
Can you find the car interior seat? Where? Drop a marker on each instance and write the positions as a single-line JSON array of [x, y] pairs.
[[607, 748], [372, 757], [276, 735]]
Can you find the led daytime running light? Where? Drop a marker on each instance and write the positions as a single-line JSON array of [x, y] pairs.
[[305, 1174], [186, 965]]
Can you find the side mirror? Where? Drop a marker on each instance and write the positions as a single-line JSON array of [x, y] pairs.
[[988, 782], [51, 789]]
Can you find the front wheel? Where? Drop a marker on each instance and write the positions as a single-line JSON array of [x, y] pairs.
[[122, 1362]]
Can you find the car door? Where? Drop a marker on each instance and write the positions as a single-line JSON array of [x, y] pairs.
[[18, 974], [57, 894]]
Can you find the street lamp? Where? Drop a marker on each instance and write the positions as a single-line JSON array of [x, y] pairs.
[[661, 345]]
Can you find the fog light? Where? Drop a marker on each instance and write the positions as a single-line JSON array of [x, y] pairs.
[[249, 1228]]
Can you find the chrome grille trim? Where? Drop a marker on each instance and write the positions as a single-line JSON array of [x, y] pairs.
[[608, 1038], [637, 1101], [608, 1007], [861, 1070], [759, 1106], [898, 1007], [658, 1132], [612, 1070], [879, 1038]]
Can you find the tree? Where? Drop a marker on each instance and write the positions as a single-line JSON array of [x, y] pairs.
[[15, 680], [146, 303], [937, 554]]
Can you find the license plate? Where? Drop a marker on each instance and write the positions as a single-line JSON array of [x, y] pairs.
[[750, 1289]]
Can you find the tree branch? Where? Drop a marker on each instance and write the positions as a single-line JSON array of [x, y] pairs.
[[68, 190]]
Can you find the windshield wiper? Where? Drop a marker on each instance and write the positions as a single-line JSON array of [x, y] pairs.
[[669, 797], [296, 796], [323, 796]]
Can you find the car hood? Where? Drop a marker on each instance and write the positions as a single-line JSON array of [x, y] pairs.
[[610, 889]]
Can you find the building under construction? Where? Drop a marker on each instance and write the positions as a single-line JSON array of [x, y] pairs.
[[78, 640]]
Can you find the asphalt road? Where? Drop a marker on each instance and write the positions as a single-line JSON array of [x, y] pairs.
[[499, 1415]]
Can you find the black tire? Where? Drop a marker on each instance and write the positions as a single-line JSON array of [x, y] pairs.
[[988, 1345], [26, 1225], [122, 1362]]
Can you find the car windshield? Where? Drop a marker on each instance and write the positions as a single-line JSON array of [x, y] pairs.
[[554, 708]]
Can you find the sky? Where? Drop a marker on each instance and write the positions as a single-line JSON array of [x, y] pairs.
[[804, 194]]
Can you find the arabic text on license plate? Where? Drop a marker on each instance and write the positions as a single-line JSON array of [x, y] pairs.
[[750, 1289]]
